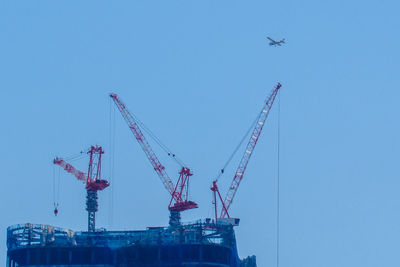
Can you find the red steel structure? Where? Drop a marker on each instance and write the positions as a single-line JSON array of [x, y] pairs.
[[245, 159], [92, 180], [180, 192]]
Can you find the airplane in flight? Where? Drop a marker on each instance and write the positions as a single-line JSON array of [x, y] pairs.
[[275, 43]]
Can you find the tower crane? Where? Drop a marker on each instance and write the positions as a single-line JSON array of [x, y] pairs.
[[180, 192], [226, 203], [92, 180]]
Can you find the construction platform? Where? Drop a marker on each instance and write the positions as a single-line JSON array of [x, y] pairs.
[[201, 243]]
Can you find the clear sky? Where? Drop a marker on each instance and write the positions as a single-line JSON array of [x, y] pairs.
[[196, 72]]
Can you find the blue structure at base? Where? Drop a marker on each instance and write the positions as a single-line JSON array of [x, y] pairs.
[[194, 244]]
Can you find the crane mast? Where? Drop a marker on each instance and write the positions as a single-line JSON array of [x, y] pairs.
[[92, 180], [179, 193], [226, 203]]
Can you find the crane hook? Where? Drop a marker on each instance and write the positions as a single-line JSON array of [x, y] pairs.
[[55, 209]]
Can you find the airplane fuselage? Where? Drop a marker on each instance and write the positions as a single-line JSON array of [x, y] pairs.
[[275, 43]]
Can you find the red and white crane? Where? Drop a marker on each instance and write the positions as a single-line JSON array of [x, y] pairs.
[[226, 203], [92, 180], [180, 192]]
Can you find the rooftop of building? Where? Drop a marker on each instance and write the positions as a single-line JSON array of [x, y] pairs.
[[198, 232]]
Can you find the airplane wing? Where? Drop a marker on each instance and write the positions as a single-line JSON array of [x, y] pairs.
[[278, 44], [270, 39]]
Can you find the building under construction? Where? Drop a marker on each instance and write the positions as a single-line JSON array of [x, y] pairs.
[[209, 242], [201, 243]]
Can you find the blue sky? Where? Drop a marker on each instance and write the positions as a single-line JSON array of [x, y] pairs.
[[196, 72]]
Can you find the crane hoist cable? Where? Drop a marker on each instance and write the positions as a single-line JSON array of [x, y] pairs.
[[278, 184], [111, 164], [56, 190]]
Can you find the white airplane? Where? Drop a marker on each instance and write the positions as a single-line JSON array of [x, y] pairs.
[[275, 43]]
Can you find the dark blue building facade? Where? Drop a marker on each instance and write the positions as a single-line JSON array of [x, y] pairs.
[[196, 244]]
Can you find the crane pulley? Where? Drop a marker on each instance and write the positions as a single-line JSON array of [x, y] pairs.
[[226, 203], [180, 192]]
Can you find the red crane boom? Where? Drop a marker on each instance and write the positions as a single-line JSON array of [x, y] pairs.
[[245, 158], [179, 193], [81, 176]]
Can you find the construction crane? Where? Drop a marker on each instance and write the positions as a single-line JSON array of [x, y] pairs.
[[180, 192], [92, 180], [226, 203]]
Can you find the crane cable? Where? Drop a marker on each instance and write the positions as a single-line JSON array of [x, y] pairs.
[[56, 181], [236, 149], [76, 156], [159, 142], [111, 164], [56, 193], [54, 187], [278, 185], [238, 146]]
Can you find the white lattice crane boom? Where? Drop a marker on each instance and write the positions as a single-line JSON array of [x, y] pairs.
[[226, 203]]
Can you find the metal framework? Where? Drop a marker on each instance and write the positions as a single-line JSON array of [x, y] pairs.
[[197, 232], [245, 158], [179, 193], [92, 181]]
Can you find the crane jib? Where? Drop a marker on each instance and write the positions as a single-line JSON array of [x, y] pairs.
[[248, 152], [179, 194]]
